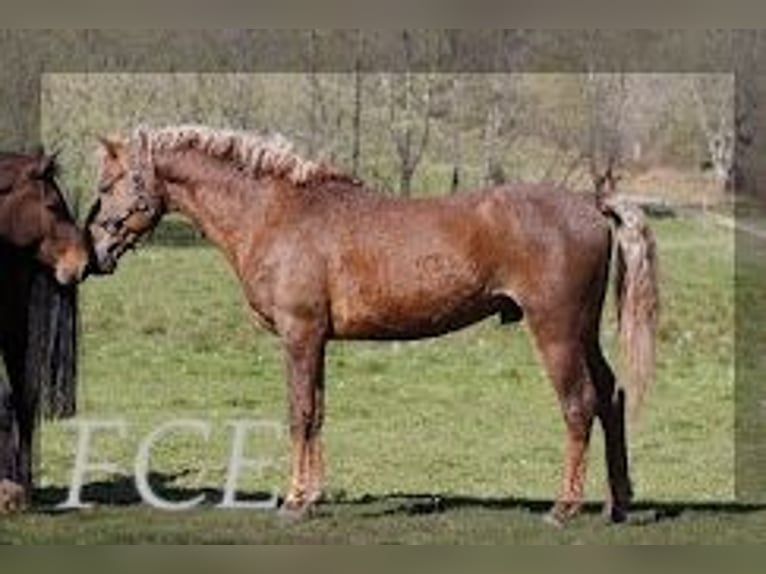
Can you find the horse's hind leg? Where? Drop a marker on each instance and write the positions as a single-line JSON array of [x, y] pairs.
[[611, 413], [565, 361]]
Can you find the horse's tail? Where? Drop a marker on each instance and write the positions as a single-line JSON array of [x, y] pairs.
[[637, 296]]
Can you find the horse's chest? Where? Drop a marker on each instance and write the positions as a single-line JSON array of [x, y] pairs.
[[258, 289]]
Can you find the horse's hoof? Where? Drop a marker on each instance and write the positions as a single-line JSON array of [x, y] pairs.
[[614, 515], [12, 498], [561, 514], [553, 519], [292, 512]]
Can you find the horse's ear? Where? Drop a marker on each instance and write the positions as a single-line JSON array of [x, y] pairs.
[[111, 147]]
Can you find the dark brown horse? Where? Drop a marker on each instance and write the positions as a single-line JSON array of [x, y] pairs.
[[41, 250], [320, 257]]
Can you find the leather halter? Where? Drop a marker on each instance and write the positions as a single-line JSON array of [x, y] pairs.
[[143, 201]]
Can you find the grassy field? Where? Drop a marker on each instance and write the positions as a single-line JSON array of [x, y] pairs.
[[450, 440]]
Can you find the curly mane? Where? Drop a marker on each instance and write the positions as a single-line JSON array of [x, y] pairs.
[[257, 154]]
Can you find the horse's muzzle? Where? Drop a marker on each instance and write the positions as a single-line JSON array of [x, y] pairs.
[[104, 258], [71, 267]]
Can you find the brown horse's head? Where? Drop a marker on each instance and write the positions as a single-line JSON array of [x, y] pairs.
[[128, 204], [35, 216]]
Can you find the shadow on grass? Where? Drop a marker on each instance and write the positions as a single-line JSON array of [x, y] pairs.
[[407, 504], [120, 491]]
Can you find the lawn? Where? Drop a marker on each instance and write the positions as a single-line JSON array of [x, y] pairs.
[[456, 439]]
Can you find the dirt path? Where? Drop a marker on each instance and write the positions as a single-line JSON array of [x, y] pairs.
[[738, 226]]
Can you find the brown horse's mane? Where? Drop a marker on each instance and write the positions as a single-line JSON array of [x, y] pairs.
[[12, 162], [258, 154]]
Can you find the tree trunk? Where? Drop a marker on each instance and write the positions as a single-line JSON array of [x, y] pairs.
[[405, 181], [356, 141], [403, 113], [494, 173], [314, 96], [457, 136], [717, 123]]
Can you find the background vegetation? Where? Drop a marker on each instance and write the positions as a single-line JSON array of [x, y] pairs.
[[455, 439], [670, 135]]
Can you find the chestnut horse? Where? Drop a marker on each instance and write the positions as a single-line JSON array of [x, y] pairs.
[[41, 250], [321, 257]]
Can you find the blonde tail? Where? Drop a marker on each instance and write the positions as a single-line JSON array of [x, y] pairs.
[[637, 297]]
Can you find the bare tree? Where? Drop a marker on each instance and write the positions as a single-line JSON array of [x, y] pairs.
[[606, 95], [494, 174], [748, 169], [239, 103], [714, 102], [409, 115], [327, 112], [509, 51], [356, 120], [317, 112], [456, 106]]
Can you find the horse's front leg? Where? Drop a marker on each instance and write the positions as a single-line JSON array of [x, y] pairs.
[[12, 495], [304, 356]]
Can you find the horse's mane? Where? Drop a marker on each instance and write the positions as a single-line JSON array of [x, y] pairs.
[[255, 153], [12, 162]]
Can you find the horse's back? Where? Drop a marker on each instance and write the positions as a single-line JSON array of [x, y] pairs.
[[400, 268]]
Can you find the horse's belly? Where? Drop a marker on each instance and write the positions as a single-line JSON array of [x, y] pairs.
[[407, 286], [390, 317]]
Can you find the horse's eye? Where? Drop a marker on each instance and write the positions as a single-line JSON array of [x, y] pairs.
[[104, 187], [112, 225]]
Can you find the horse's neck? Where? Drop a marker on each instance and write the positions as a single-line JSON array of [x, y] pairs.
[[228, 210]]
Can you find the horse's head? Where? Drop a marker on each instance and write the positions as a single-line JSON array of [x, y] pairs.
[[34, 215], [128, 205]]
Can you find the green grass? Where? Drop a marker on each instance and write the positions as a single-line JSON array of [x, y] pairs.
[[751, 363], [469, 417]]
